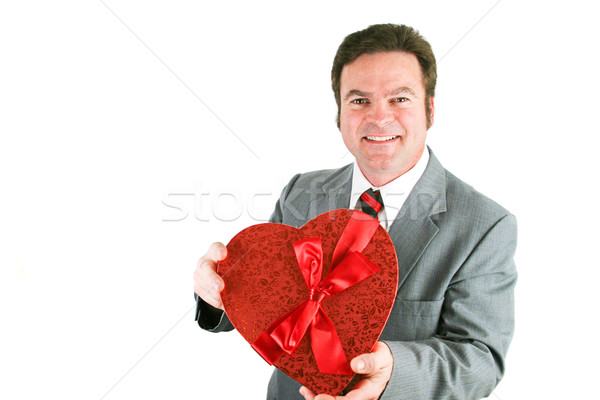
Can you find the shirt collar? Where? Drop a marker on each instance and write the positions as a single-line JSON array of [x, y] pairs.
[[394, 193]]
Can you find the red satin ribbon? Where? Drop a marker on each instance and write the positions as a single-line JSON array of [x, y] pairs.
[[349, 266]]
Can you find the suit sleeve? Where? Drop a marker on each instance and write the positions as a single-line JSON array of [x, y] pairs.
[[465, 359], [210, 318], [214, 320]]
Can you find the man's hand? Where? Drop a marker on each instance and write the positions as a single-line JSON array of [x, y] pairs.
[[207, 283], [376, 369]]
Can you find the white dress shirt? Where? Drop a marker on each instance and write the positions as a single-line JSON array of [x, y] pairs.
[[394, 193]]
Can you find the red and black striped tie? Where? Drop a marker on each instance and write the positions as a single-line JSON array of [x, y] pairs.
[[371, 202]]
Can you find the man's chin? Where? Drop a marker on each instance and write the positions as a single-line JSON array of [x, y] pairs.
[[377, 165]]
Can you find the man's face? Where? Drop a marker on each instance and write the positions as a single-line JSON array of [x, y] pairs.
[[382, 113]]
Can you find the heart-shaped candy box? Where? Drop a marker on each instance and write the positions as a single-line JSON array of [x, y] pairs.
[[267, 276]]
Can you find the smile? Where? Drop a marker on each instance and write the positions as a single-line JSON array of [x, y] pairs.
[[380, 138]]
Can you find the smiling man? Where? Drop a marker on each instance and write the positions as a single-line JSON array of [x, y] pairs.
[[453, 318]]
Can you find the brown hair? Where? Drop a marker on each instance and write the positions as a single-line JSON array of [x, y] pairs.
[[386, 38]]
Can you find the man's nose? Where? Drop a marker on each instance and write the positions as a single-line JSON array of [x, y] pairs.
[[380, 114]]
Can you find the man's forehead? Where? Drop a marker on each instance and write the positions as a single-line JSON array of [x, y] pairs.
[[396, 70]]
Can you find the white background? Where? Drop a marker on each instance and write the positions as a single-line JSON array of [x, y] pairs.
[[111, 111]]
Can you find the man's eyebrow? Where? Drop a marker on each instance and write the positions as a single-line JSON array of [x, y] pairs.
[[402, 89], [360, 93], [356, 92]]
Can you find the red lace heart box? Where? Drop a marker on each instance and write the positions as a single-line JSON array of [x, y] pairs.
[[263, 282]]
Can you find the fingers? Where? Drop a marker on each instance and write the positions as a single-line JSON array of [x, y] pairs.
[[365, 389], [376, 369], [310, 395], [307, 393], [207, 283], [217, 251]]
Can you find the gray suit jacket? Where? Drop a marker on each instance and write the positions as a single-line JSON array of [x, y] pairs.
[[453, 318]]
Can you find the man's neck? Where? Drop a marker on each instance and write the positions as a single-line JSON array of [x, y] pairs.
[[379, 179]]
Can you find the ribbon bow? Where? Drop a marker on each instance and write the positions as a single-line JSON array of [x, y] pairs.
[[348, 267]]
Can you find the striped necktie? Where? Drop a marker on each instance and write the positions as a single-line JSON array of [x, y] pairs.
[[371, 202]]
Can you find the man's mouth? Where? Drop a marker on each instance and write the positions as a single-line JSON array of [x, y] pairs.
[[380, 138]]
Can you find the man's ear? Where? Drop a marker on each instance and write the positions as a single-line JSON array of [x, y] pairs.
[[431, 109]]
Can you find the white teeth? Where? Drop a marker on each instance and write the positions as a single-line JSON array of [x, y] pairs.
[[381, 139]]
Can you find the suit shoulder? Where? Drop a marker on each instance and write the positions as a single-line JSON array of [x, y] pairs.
[[464, 200], [320, 177]]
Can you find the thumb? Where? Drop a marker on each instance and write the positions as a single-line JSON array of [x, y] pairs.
[[372, 362], [363, 364]]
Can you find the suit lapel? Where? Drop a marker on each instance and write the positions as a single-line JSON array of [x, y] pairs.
[[413, 229], [335, 192]]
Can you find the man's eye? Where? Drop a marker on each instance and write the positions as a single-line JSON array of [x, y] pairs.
[[400, 99], [359, 101]]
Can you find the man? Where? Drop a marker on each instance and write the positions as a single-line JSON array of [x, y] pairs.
[[453, 318]]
